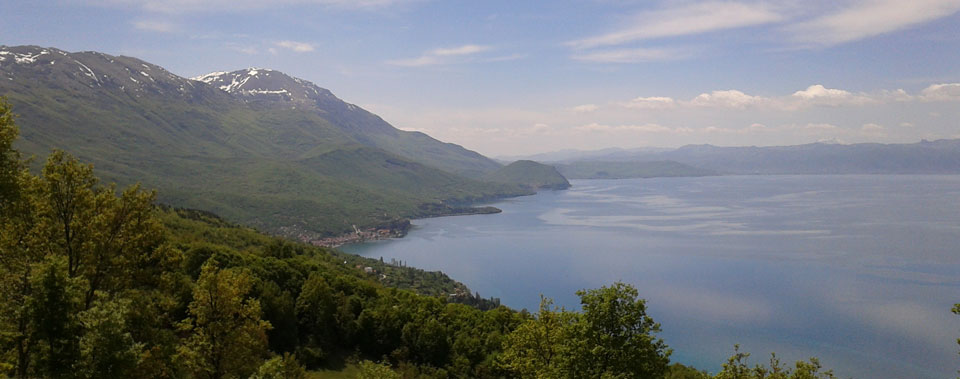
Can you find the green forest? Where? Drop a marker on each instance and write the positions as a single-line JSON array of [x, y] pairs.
[[101, 282]]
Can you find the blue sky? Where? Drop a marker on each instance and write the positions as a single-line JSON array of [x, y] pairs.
[[518, 77]]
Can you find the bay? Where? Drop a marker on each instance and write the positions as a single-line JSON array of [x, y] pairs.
[[858, 270]]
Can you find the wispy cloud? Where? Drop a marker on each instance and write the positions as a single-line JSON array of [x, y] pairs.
[[298, 47], [461, 50], [653, 102], [155, 26], [684, 20], [865, 19], [441, 56], [634, 55], [203, 6], [815, 95], [585, 108]]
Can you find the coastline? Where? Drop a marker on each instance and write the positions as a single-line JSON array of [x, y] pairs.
[[397, 229]]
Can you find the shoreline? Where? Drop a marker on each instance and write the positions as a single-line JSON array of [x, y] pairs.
[[397, 229]]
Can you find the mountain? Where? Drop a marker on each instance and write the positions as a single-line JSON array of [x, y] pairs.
[[530, 174], [257, 146], [571, 155], [925, 157], [269, 89], [625, 170]]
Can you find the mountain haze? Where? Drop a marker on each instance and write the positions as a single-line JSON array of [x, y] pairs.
[[255, 145]]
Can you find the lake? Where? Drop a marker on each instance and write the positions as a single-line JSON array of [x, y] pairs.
[[858, 270]]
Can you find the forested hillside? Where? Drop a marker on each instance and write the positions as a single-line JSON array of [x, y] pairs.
[[255, 146], [98, 282]]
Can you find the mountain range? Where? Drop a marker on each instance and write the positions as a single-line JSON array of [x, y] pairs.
[[924, 157], [254, 145]]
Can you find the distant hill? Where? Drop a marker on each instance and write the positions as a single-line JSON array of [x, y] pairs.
[[626, 170], [257, 146], [572, 155], [530, 174], [925, 157]]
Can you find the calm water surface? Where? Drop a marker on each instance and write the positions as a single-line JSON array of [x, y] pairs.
[[860, 271]]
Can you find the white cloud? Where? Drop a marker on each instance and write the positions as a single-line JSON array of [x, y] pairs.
[[585, 108], [941, 92], [684, 20], [636, 55], [462, 50], [871, 127], [441, 56], [868, 18], [299, 47], [155, 26], [655, 102], [817, 94], [819, 91], [727, 99]]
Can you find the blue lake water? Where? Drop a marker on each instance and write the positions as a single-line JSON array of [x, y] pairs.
[[860, 271]]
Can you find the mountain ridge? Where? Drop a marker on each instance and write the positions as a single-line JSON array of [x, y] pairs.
[[245, 156]]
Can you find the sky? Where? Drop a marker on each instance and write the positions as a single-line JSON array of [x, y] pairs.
[[524, 77]]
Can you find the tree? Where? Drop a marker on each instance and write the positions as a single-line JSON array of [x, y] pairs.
[[540, 347], [109, 240], [107, 348], [54, 315], [280, 367], [21, 250], [736, 368], [316, 310], [618, 335], [373, 370], [227, 337], [10, 164]]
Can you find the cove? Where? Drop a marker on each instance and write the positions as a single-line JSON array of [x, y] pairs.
[[858, 270]]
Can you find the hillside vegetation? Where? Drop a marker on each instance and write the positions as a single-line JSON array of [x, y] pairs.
[[101, 284], [256, 146]]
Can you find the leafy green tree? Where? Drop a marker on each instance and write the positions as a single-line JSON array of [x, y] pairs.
[[21, 250], [736, 368], [280, 367], [680, 371], [540, 348], [227, 337], [109, 240], [54, 309], [373, 370], [107, 348], [10, 164], [316, 310], [618, 336]]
